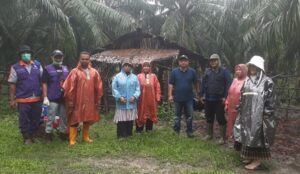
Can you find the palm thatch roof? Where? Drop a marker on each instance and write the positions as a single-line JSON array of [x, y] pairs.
[[140, 46], [136, 56]]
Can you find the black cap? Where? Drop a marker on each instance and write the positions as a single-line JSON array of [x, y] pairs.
[[183, 57], [25, 49], [57, 53]]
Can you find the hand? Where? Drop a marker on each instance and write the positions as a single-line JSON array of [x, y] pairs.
[[223, 101], [226, 107], [202, 100], [12, 104], [122, 100], [171, 99], [98, 103], [132, 100], [158, 102], [46, 101]]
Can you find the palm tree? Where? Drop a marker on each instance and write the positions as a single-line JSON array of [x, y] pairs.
[[197, 25], [70, 25], [279, 26]]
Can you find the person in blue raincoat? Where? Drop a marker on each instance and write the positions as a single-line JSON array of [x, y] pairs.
[[126, 91]]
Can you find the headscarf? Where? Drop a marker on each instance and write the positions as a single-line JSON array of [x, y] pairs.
[[244, 70], [144, 64]]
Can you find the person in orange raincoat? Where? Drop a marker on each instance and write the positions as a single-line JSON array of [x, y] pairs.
[[150, 96], [233, 98], [83, 91]]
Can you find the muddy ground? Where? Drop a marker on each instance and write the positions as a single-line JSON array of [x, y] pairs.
[[285, 156]]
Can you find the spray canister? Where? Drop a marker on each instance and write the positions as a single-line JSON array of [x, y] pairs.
[[56, 121], [45, 113]]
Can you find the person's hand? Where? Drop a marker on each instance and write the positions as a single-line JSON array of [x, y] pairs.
[[46, 101], [12, 104], [132, 100], [202, 100], [171, 99], [97, 104], [122, 100], [226, 107], [157, 102], [223, 101]]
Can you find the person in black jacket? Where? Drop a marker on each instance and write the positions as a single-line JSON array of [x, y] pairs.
[[214, 87]]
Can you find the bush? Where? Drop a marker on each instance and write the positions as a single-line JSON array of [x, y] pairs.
[[165, 112]]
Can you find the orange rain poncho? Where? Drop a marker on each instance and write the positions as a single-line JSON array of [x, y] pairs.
[[233, 98], [150, 95], [83, 92]]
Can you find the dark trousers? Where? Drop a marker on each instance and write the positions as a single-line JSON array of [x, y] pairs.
[[29, 117], [187, 107], [215, 109], [124, 129], [149, 126]]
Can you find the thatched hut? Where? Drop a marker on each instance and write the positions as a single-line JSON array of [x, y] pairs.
[[140, 47]]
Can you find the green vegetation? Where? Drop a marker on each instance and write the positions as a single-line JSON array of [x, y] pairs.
[[236, 29], [160, 149]]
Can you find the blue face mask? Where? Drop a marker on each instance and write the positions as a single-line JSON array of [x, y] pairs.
[[26, 57]]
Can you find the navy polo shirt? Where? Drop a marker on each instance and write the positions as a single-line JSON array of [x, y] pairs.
[[182, 82]]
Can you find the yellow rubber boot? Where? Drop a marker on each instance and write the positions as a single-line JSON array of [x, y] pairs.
[[85, 133], [73, 135]]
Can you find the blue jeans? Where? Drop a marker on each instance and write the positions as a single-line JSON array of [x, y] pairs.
[[187, 107]]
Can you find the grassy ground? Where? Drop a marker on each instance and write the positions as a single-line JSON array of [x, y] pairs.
[[156, 152]]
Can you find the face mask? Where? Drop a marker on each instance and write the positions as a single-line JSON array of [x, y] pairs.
[[26, 57], [57, 63]]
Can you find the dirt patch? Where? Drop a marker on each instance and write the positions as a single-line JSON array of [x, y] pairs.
[[128, 164], [285, 151], [285, 156]]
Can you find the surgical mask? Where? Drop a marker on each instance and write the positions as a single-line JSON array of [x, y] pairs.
[[26, 57], [57, 63]]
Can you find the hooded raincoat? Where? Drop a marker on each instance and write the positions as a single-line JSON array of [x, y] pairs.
[[83, 91], [255, 124], [233, 98], [150, 95]]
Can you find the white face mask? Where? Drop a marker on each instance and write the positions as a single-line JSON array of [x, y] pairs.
[[57, 63]]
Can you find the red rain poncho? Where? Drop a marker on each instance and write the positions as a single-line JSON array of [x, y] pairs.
[[233, 98], [83, 94], [150, 95]]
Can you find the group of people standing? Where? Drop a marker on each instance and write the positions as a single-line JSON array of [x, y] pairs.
[[73, 96], [137, 97], [249, 102], [76, 96]]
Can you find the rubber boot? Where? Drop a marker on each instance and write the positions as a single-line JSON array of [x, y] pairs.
[[48, 138], [63, 136], [210, 130], [72, 135], [222, 140], [85, 133], [149, 125], [27, 139]]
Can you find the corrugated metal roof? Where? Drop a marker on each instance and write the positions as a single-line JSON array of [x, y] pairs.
[[136, 56]]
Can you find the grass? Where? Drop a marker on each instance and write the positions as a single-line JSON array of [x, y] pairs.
[[159, 147]]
